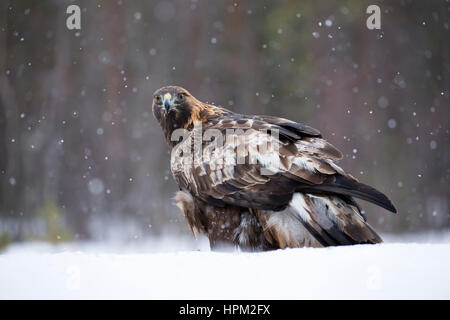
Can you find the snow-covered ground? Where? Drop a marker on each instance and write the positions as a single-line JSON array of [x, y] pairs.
[[183, 269]]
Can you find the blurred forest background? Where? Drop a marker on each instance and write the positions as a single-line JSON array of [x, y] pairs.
[[81, 157]]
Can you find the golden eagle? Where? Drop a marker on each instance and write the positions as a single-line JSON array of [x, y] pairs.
[[238, 173]]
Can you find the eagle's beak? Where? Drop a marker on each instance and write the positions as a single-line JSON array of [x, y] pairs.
[[167, 101]]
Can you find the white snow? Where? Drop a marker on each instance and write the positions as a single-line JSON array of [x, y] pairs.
[[385, 271]]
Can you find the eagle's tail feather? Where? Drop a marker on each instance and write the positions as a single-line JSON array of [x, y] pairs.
[[331, 220], [350, 187]]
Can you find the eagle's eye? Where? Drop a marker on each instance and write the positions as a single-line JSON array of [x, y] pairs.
[[181, 96], [157, 98]]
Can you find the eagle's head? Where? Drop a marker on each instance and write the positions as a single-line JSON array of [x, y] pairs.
[[174, 108]]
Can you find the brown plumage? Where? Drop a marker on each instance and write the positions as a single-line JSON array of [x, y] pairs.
[[237, 174]]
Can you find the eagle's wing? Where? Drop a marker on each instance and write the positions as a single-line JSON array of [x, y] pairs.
[[301, 129], [259, 162]]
